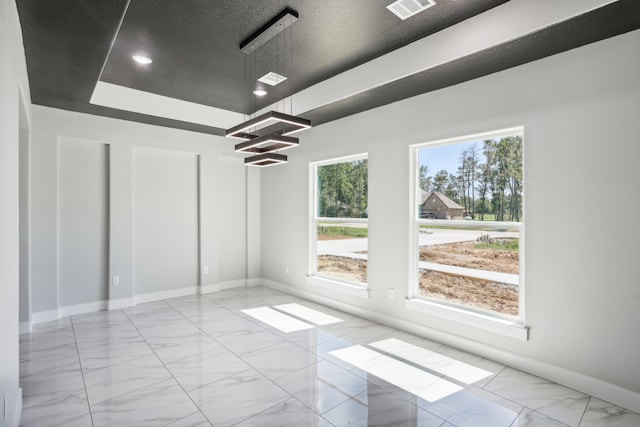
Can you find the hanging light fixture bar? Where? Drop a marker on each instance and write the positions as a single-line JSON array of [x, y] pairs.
[[242, 135], [271, 117], [264, 160], [269, 30], [258, 145], [265, 147]]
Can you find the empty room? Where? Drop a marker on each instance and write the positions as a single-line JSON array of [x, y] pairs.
[[319, 213]]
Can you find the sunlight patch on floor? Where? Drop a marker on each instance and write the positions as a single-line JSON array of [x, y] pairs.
[[308, 314], [444, 365], [277, 319], [400, 374]]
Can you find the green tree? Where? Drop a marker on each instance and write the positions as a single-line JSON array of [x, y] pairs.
[[484, 183], [440, 181], [426, 181], [504, 158], [343, 189]]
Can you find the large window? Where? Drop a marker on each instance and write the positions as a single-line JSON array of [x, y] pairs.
[[469, 223], [339, 229]]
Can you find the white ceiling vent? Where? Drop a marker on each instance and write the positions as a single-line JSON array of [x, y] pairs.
[[404, 9], [272, 78]]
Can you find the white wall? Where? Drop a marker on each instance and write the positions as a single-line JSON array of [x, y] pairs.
[[580, 111], [25, 282], [165, 220], [83, 222], [136, 189], [13, 86]]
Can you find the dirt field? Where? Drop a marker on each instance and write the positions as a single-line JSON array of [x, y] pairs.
[[466, 255], [334, 237], [353, 270], [477, 293], [482, 294]]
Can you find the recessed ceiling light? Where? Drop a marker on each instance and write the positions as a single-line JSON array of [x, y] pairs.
[[259, 92], [141, 59]]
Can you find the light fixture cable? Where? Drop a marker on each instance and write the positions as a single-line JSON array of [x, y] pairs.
[[266, 144]]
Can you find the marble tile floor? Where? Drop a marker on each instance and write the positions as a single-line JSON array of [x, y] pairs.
[[214, 360]]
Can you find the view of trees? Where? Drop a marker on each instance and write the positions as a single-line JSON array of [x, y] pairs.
[[488, 181], [343, 190]]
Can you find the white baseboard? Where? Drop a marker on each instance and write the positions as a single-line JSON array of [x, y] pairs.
[[217, 287], [89, 307], [49, 315], [44, 316], [232, 284], [116, 304], [207, 289], [69, 310], [600, 389], [254, 282], [25, 327], [168, 294]]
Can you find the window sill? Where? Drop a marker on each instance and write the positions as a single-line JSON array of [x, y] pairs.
[[499, 326], [342, 287]]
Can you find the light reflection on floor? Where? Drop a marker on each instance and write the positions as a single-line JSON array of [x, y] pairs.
[[439, 363], [407, 377], [308, 314], [277, 320]]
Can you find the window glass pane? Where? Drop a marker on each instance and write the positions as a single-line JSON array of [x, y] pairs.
[[470, 267], [469, 220], [341, 224], [342, 251]]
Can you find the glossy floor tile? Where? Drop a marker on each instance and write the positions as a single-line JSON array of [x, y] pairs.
[[556, 401], [238, 397], [378, 407], [323, 385], [290, 413], [258, 357]]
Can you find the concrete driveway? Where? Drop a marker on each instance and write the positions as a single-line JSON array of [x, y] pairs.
[[349, 248]]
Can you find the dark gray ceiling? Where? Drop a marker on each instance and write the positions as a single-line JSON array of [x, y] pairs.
[[194, 45]]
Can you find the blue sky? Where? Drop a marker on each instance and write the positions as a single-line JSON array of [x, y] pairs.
[[446, 156]]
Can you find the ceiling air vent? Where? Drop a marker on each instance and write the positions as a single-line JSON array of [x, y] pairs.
[[272, 78], [404, 9]]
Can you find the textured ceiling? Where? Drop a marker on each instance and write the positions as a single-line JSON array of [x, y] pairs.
[[71, 44]]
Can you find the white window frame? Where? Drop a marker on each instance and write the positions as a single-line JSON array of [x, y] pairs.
[[470, 316], [313, 278]]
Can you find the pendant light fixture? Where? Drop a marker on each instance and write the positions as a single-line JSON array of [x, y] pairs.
[[266, 134]]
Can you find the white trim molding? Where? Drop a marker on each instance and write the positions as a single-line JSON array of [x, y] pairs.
[[116, 304], [469, 318], [168, 294], [254, 282], [88, 307], [337, 286], [217, 287], [207, 289], [45, 316], [127, 99], [25, 327]]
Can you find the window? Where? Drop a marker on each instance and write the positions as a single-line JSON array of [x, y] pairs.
[[339, 226], [468, 208]]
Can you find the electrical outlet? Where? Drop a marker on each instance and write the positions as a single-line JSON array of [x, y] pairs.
[[392, 293], [205, 269], [115, 280]]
